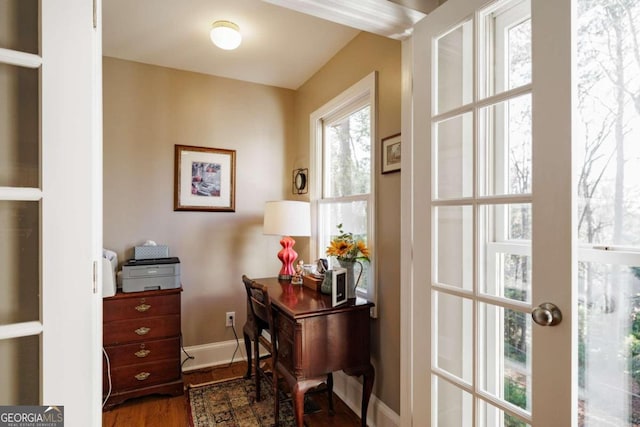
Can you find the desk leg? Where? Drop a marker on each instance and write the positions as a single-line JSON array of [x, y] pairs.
[[367, 388], [368, 376], [297, 396], [330, 392]]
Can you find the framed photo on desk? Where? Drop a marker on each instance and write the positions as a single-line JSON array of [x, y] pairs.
[[339, 286]]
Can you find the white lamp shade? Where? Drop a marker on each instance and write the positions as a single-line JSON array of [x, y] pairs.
[[226, 35], [287, 218]]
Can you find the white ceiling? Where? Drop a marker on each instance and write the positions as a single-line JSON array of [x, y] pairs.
[[280, 47]]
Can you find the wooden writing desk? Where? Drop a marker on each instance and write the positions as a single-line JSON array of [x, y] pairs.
[[315, 339]]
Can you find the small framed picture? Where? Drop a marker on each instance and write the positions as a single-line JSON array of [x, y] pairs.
[[204, 179], [339, 286], [391, 151]]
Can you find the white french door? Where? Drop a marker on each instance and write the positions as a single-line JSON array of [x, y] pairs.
[[490, 206], [50, 206]]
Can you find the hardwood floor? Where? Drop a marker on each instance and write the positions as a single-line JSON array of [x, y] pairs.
[[163, 411]]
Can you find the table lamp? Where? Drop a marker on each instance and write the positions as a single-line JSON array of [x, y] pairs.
[[287, 218]]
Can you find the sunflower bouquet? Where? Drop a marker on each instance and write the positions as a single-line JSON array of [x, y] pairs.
[[345, 247]]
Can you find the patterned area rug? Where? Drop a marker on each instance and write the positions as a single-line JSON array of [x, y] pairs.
[[231, 403]]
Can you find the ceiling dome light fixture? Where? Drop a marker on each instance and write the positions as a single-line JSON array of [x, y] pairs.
[[226, 35]]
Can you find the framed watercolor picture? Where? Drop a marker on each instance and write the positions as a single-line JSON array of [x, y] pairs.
[[204, 179], [391, 151]]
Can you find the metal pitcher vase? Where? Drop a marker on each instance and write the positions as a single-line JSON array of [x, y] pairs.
[[352, 282]]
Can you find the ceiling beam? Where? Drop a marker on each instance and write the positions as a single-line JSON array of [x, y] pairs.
[[424, 6], [382, 17]]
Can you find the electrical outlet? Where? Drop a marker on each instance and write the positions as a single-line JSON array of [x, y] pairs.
[[231, 318]]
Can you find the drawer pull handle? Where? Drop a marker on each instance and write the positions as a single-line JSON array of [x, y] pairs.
[[142, 331], [142, 376], [142, 308], [142, 353]]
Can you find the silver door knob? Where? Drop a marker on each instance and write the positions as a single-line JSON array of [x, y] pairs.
[[547, 314]]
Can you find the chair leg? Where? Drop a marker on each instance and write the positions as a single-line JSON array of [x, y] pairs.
[[276, 400], [330, 392], [247, 346], [257, 367]]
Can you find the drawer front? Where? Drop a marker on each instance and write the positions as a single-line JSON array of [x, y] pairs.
[[140, 307], [143, 375], [286, 331], [144, 352], [286, 326], [137, 330]]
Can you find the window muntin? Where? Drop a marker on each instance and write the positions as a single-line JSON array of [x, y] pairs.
[[505, 251]]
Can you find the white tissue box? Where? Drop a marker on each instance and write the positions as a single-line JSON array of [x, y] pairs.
[[151, 252]]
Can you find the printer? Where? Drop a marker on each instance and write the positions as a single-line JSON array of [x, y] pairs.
[[150, 274]]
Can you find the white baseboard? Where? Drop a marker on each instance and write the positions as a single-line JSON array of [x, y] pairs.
[[214, 354], [349, 389]]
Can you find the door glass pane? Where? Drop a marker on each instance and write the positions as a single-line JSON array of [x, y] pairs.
[[454, 63], [454, 405], [505, 251], [491, 416], [505, 147], [454, 332], [19, 25], [19, 126], [505, 354], [454, 246], [505, 29], [453, 157], [347, 155], [608, 165], [20, 371], [19, 261]]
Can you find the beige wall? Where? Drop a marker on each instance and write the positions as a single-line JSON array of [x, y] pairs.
[[365, 54], [149, 109]]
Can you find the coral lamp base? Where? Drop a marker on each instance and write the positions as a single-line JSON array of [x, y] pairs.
[[287, 256]]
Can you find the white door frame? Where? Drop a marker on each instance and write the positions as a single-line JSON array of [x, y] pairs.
[[71, 105]]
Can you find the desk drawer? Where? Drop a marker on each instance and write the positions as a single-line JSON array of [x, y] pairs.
[[143, 375], [286, 326], [136, 330], [286, 330], [140, 307], [144, 352]]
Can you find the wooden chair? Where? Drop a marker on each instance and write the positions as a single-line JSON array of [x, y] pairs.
[[260, 310]]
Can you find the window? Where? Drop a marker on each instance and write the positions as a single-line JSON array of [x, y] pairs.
[[342, 190]]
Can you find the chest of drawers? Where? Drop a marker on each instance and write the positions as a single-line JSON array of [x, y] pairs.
[[141, 336]]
